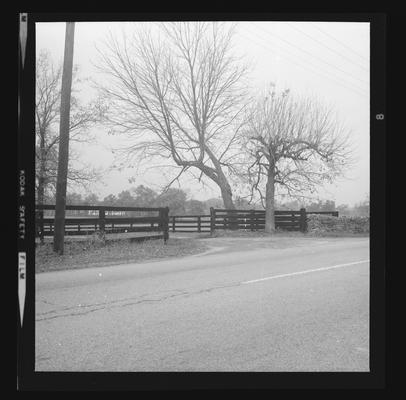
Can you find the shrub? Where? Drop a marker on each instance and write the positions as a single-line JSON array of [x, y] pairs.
[[320, 224], [96, 239]]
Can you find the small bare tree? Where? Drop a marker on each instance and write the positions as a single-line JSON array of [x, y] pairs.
[[47, 113], [178, 94], [293, 145]]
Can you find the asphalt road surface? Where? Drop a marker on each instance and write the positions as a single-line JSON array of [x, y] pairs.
[[242, 306]]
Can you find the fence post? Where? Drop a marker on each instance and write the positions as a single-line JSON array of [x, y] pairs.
[[233, 222], [303, 220], [165, 227], [161, 219], [212, 220], [102, 219], [173, 223], [199, 224], [41, 225]]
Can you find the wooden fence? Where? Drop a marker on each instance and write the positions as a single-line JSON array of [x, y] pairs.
[[255, 219], [189, 223], [84, 220], [252, 220]]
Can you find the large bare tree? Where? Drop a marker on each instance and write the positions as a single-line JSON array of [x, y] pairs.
[[47, 113], [293, 146], [178, 93]]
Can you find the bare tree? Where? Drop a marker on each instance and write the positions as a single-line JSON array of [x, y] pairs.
[[47, 114], [293, 145], [178, 94]]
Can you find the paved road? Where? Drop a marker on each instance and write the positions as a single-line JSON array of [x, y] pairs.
[[243, 306]]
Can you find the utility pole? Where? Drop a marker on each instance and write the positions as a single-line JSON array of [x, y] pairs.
[[63, 155]]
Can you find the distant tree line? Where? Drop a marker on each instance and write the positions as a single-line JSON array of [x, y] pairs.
[[359, 209], [142, 196], [179, 204]]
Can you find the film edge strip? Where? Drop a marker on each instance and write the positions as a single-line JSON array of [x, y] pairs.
[[21, 265]]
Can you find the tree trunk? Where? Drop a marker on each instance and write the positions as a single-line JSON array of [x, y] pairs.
[[226, 195], [270, 201], [221, 180]]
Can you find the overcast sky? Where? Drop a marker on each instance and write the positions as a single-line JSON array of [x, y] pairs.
[[327, 60]]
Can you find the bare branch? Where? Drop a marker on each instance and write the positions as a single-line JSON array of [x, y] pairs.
[[183, 89]]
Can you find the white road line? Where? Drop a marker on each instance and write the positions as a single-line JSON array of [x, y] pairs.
[[305, 272]]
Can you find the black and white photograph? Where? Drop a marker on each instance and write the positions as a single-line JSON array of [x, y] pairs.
[[200, 195]]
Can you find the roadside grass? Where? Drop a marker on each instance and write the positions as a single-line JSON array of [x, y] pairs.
[[256, 234], [279, 233], [97, 253], [337, 234]]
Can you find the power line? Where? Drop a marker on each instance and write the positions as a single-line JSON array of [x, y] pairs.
[[316, 67], [312, 55], [353, 88], [327, 47], [339, 42], [340, 83]]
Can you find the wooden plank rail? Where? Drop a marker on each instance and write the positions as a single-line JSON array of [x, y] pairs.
[[85, 220], [190, 223], [255, 219], [104, 221]]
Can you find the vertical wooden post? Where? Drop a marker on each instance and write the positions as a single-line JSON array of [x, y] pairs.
[[212, 220], [102, 219], [173, 223], [303, 220], [233, 221], [63, 152], [165, 215], [160, 220], [199, 224]]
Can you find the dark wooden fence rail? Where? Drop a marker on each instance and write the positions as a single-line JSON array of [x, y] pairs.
[[189, 223], [104, 220], [83, 220], [332, 213], [255, 219]]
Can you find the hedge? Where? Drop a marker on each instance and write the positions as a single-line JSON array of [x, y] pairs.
[[319, 224]]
